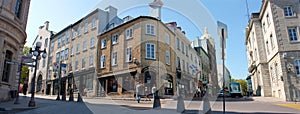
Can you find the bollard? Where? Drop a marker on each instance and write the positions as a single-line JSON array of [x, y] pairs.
[[71, 97], [79, 98], [156, 101], [180, 104], [206, 105]]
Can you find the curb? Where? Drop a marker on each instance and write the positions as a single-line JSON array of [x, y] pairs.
[[19, 108]]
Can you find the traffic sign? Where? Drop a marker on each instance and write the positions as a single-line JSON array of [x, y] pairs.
[[26, 59]]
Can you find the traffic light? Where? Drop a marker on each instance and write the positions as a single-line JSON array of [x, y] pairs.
[[178, 73]]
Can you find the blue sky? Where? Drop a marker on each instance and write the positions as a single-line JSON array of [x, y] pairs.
[[61, 13]]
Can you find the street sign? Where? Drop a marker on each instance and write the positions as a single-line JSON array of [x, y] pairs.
[[63, 66], [26, 59], [55, 66], [12, 63], [28, 65]]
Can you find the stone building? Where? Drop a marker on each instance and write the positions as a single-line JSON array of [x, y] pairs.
[[76, 47], [13, 21], [43, 36], [272, 40]]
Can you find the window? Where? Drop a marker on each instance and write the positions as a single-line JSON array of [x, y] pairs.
[[150, 29], [102, 61], [177, 43], [187, 67], [150, 51], [129, 33], [67, 37], [18, 8], [83, 63], [272, 41], [44, 63], [85, 27], [76, 64], [167, 38], [71, 66], [293, 35], [297, 67], [78, 31], [268, 20], [168, 57], [62, 55], [264, 26], [288, 11], [129, 54], [66, 54], [267, 44], [52, 47], [183, 65], [58, 43], [92, 43], [7, 67], [191, 57], [63, 40], [103, 43], [72, 50], [182, 47], [114, 59], [178, 62], [187, 50], [78, 48], [91, 60], [73, 34], [46, 42], [57, 56], [94, 23], [115, 39], [84, 45]]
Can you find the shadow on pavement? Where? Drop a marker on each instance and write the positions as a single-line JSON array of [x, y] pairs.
[[228, 112]]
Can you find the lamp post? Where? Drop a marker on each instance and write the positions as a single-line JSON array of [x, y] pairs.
[[180, 103], [36, 52]]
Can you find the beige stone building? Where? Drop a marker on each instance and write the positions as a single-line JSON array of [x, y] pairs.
[[13, 21], [76, 46], [43, 36], [272, 39]]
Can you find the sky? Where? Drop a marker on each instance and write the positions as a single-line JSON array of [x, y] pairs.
[[61, 13]]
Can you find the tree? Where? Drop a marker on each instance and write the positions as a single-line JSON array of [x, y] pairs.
[[243, 83], [25, 69]]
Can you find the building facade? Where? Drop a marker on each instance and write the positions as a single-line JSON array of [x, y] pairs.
[[43, 36], [278, 34], [13, 21], [76, 48]]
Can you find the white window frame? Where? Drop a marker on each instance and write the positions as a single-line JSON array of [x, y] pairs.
[[72, 51], [168, 57], [182, 47], [85, 30], [91, 60], [128, 54], [78, 31], [151, 54], [67, 37], [58, 43], [78, 48], [62, 41], [150, 29], [129, 33], [73, 34], [177, 43], [103, 43], [94, 23], [288, 11], [76, 65], [92, 42], [114, 59], [84, 45], [294, 37], [297, 67], [115, 38], [83, 62], [66, 54], [102, 61], [167, 38]]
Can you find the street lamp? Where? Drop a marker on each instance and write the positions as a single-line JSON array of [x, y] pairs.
[[36, 52], [180, 103]]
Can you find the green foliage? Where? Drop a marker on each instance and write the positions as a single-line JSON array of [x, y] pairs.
[[26, 50], [243, 83], [24, 74]]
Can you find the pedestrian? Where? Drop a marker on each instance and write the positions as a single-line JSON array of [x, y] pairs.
[[25, 86], [147, 94], [139, 90]]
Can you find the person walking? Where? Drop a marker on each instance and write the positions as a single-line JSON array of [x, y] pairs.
[[25, 86], [147, 94], [139, 89]]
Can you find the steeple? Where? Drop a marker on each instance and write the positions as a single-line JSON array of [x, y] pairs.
[[155, 8]]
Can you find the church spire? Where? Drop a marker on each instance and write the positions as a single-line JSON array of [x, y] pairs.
[[155, 8]]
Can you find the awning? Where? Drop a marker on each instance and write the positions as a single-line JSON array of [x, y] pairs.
[[117, 73]]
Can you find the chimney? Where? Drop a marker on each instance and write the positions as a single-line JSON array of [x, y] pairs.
[[46, 25]]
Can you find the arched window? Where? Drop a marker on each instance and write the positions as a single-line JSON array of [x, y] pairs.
[[39, 83], [6, 70]]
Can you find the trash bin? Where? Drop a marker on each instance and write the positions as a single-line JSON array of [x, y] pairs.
[[13, 93]]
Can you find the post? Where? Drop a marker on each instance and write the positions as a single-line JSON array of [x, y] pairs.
[[71, 97], [32, 102], [20, 71], [59, 82], [223, 65], [180, 102]]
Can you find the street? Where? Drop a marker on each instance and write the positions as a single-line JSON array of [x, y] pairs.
[[47, 105]]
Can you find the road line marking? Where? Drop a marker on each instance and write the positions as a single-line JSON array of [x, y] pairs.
[[294, 106]]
